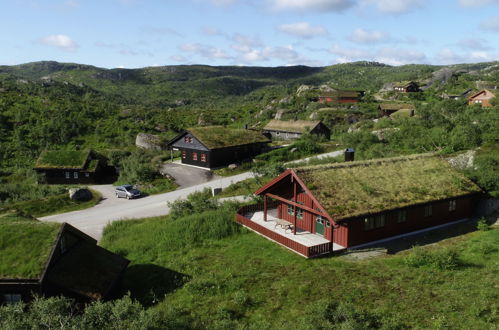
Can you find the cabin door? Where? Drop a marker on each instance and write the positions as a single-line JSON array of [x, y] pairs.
[[319, 225]]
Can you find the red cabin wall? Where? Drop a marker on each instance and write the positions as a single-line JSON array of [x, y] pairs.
[[415, 221], [341, 235]]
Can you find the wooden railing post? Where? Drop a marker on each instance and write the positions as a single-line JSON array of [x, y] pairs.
[[265, 208]]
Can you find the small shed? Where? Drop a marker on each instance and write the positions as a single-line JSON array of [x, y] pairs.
[[54, 259], [293, 129], [387, 109], [406, 87], [69, 166]]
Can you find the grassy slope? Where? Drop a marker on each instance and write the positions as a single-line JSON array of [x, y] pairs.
[[54, 205], [246, 280]]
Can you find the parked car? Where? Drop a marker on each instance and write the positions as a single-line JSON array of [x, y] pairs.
[[128, 191]]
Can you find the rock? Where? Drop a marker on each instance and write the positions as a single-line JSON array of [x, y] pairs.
[[232, 166], [80, 194], [326, 89], [148, 141], [279, 113], [463, 161], [286, 100], [293, 150], [381, 134], [313, 116]]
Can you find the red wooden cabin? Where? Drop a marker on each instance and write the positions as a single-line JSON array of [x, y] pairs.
[[344, 205]]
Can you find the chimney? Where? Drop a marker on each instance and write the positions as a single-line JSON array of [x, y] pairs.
[[349, 154]]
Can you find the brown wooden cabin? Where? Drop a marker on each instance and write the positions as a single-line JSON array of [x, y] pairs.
[[65, 262], [482, 98], [69, 167], [387, 109], [217, 146], [294, 129], [349, 204], [341, 96], [406, 87]]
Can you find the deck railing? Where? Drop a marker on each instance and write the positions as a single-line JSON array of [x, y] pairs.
[[306, 251]]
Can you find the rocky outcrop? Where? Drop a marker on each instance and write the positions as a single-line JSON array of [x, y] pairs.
[[80, 194], [463, 161], [148, 141]]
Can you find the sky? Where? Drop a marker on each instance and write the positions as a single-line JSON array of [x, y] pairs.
[[142, 33]]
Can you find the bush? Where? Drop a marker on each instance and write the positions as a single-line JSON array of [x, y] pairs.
[[196, 202], [445, 259], [482, 224]]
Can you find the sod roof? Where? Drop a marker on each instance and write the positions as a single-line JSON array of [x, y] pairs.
[[63, 159], [25, 246], [215, 137], [101, 269], [366, 187], [404, 83], [396, 106], [295, 126]]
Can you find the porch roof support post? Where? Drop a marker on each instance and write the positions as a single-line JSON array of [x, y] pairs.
[[294, 207], [265, 208]]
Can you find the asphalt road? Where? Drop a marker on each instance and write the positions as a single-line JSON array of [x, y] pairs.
[[93, 220]]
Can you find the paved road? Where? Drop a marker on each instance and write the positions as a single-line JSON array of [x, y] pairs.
[[188, 176], [93, 220]]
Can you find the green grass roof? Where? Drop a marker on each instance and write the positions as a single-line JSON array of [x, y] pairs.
[[367, 187], [63, 159], [396, 106], [101, 268], [25, 245], [215, 137], [296, 126]]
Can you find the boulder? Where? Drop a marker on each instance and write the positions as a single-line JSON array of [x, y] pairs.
[[148, 141], [232, 166], [80, 194], [463, 161]]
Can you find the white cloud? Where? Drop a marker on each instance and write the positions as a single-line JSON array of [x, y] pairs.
[[474, 3], [350, 54], [61, 41], [473, 43], [178, 58], [491, 24], [212, 31], [448, 56], [206, 51], [302, 30], [362, 36], [312, 5], [394, 6]]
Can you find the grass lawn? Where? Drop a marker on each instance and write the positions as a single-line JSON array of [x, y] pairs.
[[54, 205], [211, 273]]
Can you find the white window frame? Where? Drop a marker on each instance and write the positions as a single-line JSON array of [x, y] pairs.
[[75, 175], [68, 175]]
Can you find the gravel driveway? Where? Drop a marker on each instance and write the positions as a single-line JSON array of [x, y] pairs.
[[188, 176]]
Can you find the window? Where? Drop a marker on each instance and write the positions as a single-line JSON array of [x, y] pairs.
[[190, 139], [186, 139], [452, 205], [63, 244], [402, 216], [75, 175], [194, 156], [299, 213], [319, 219], [290, 210], [374, 222], [277, 133], [428, 211], [287, 135], [11, 298], [328, 224], [87, 175], [203, 157], [184, 155], [67, 175]]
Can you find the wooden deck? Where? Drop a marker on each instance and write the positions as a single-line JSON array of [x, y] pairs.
[[304, 243]]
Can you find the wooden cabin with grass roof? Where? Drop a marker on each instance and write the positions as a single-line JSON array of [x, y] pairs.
[[218, 146], [50, 259], [388, 109], [320, 209], [69, 166], [294, 129]]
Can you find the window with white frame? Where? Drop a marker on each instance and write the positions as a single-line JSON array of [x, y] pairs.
[[75, 175], [290, 209], [68, 175], [87, 175], [452, 205], [299, 213]]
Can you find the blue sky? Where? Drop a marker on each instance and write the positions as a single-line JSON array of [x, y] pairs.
[[140, 33]]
